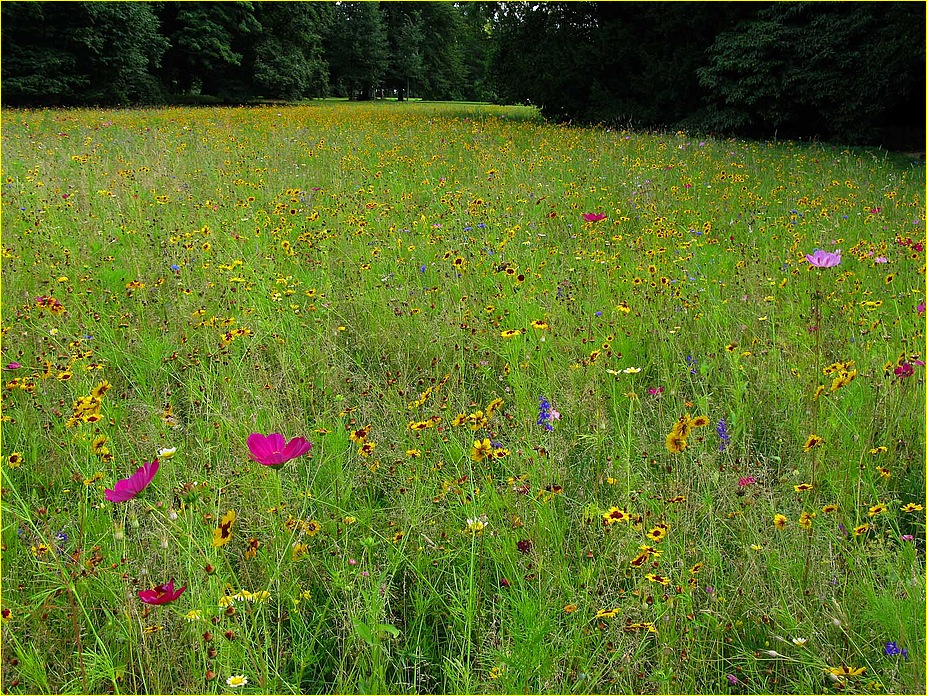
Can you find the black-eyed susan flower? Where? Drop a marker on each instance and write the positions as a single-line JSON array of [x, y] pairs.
[[877, 509], [360, 435], [15, 460], [367, 449], [97, 446], [780, 521], [812, 442], [651, 551], [700, 421], [615, 514], [683, 426], [861, 529], [658, 533], [607, 613], [675, 443], [539, 325], [805, 520], [223, 533], [659, 579], [829, 508], [491, 407], [802, 487], [481, 450], [510, 333], [911, 507]]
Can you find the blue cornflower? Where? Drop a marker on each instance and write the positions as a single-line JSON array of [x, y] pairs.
[[721, 429], [893, 649], [175, 267]]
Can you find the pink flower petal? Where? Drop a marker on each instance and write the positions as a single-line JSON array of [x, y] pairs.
[[127, 488], [273, 450]]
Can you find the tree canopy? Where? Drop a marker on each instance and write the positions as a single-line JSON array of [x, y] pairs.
[[849, 71]]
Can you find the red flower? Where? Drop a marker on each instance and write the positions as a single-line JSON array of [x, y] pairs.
[[273, 450], [593, 217], [162, 594], [128, 488]]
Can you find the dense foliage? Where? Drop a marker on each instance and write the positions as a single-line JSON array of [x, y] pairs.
[[850, 72]]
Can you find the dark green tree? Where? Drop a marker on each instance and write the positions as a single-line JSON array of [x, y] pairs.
[[357, 49], [405, 36], [849, 71], [442, 52], [285, 58], [80, 53], [476, 40], [621, 63], [206, 44]]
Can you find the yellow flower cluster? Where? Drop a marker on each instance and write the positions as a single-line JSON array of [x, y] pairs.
[[677, 439], [86, 409]]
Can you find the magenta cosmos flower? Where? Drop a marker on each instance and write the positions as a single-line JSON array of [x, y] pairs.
[[162, 594], [128, 488], [824, 259], [273, 450], [593, 217]]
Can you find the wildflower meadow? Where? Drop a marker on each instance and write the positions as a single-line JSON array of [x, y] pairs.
[[439, 398]]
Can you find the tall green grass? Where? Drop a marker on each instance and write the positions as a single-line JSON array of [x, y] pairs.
[[314, 270]]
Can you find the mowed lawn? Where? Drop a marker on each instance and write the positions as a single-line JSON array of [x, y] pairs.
[[589, 410]]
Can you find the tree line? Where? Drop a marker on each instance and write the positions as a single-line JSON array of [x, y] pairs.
[[848, 71]]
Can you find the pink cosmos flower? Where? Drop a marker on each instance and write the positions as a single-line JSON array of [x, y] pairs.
[[593, 217], [921, 307], [12, 366], [746, 481], [824, 259], [274, 451], [162, 594], [128, 488]]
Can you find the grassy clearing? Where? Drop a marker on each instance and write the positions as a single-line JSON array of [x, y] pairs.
[[407, 286]]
